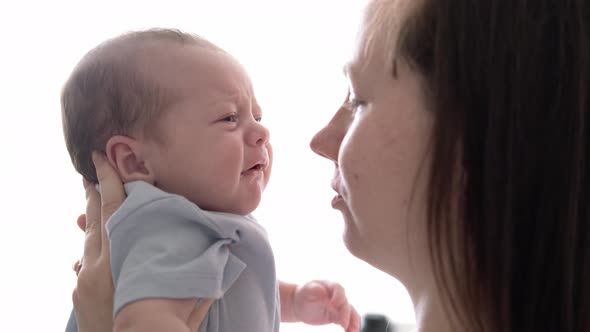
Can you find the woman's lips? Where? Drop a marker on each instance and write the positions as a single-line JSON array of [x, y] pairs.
[[337, 201]]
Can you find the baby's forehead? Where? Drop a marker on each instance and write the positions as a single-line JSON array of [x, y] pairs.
[[197, 71], [173, 67]]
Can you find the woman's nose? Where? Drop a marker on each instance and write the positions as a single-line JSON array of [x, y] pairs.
[[327, 141], [320, 144]]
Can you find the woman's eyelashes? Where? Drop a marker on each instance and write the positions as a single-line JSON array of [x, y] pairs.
[[352, 102], [354, 105]]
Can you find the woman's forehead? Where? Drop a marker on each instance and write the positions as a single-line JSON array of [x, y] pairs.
[[379, 30]]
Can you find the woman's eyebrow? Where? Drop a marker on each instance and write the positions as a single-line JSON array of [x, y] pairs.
[[350, 71], [346, 69]]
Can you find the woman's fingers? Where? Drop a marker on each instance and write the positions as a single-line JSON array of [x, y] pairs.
[[93, 225], [100, 207], [198, 314], [112, 191], [93, 296]]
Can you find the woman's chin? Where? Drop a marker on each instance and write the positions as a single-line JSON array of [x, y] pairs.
[[351, 240]]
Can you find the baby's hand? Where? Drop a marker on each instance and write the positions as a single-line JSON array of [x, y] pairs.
[[324, 302]]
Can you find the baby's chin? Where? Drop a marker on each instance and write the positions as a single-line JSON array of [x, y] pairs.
[[241, 207], [246, 207]]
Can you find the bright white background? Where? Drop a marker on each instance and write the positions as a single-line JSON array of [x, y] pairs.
[[293, 50]]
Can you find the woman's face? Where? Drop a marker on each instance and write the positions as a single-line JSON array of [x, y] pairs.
[[379, 143]]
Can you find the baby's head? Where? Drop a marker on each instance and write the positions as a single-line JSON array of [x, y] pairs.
[[172, 109]]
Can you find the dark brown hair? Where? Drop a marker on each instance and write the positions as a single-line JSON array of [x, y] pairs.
[[109, 93], [508, 81]]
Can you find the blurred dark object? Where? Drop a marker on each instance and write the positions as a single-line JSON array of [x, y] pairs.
[[376, 323]]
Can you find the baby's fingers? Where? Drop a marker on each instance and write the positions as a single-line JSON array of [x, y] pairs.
[[354, 323], [343, 313]]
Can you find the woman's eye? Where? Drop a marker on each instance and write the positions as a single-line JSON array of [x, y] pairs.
[[353, 105]]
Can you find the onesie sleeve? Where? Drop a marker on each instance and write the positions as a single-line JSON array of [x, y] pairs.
[[168, 248]]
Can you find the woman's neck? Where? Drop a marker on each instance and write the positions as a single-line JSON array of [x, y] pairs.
[[430, 315], [429, 307]]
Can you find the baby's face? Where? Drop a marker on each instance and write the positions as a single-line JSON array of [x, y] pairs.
[[215, 151]]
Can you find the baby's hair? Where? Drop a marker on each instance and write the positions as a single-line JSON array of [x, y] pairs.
[[110, 93]]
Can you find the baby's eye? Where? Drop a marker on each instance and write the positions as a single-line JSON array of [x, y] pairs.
[[231, 118], [258, 119]]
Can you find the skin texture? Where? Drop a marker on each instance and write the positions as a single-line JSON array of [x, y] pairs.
[[210, 147], [379, 142], [93, 295], [210, 138], [317, 302]]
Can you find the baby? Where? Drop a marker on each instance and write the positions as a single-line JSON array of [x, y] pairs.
[[177, 118]]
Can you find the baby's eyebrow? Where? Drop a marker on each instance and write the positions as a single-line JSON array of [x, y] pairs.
[[255, 107]]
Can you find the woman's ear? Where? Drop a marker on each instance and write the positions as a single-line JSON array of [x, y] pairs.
[[127, 157]]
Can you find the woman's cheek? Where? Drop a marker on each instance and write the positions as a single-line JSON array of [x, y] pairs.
[[348, 146], [350, 169]]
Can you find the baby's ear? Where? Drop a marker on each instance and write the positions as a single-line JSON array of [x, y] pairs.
[[126, 156]]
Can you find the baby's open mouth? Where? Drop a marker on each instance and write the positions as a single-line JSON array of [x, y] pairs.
[[257, 167]]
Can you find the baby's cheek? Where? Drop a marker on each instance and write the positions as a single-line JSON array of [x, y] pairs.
[[266, 178], [268, 170]]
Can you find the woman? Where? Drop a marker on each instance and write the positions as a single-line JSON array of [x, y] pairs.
[[462, 159]]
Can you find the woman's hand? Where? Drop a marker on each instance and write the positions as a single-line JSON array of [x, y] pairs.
[[93, 296]]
